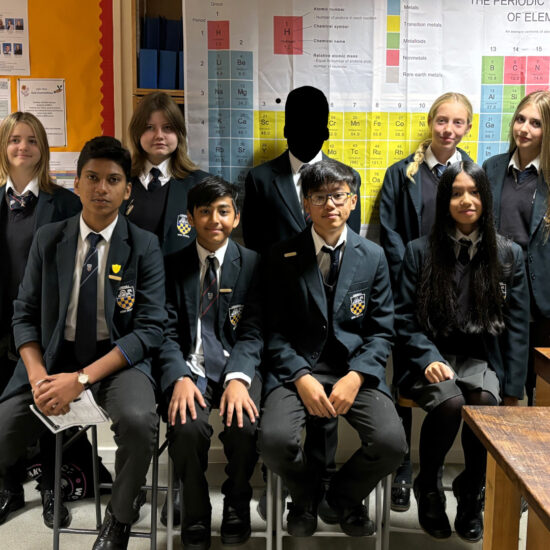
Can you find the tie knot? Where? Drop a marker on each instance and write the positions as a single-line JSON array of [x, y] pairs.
[[155, 172], [439, 169], [332, 251], [93, 239], [212, 261]]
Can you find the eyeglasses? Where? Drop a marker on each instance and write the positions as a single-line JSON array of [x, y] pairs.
[[320, 199]]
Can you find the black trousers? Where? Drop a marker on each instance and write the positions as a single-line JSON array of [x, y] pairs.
[[372, 415], [189, 444], [129, 399]]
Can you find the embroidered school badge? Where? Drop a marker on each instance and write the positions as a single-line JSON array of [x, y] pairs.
[[115, 268], [126, 297], [503, 290], [183, 226], [235, 314], [357, 304]]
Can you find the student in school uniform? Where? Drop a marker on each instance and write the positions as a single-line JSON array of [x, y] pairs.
[[28, 199], [462, 317], [210, 358], [89, 312], [328, 338], [407, 211], [519, 181]]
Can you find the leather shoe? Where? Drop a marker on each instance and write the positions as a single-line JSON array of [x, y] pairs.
[[469, 519], [327, 513], [431, 511], [113, 534], [235, 527], [48, 510], [354, 521], [139, 501], [301, 520], [196, 536], [176, 507], [10, 502], [400, 496]]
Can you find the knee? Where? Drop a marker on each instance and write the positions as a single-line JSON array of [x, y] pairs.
[[276, 446], [137, 426], [390, 444], [245, 436], [190, 437]]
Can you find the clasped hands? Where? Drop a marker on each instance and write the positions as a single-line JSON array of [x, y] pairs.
[[54, 393]]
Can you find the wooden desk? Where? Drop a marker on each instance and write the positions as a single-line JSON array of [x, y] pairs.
[[542, 368], [517, 440]]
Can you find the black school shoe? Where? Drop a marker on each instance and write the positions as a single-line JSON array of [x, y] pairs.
[[235, 527], [469, 519], [10, 501], [48, 510], [400, 496], [431, 511], [354, 521], [113, 534], [196, 535], [302, 519], [176, 507]]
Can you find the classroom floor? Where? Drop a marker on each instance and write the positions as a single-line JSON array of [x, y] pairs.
[[26, 531]]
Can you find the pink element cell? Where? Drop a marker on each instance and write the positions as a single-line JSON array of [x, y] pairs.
[[538, 70], [514, 70], [218, 35], [288, 35], [530, 88], [392, 58]]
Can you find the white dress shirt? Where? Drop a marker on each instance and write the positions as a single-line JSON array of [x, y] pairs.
[[164, 177], [32, 186], [431, 161], [323, 259], [295, 165], [474, 237]]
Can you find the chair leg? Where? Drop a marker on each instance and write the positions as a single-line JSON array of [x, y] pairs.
[[154, 492], [278, 514], [269, 511], [386, 513], [95, 467], [170, 506], [57, 488]]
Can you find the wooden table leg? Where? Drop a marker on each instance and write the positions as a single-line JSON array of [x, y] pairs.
[[538, 535], [502, 510], [542, 395]]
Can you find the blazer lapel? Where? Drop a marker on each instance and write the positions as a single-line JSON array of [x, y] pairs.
[[350, 261], [44, 209], [414, 189], [284, 183], [501, 170], [228, 281], [309, 270], [539, 208], [66, 255], [190, 288]]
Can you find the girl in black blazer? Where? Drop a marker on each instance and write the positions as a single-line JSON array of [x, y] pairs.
[[519, 181], [462, 312]]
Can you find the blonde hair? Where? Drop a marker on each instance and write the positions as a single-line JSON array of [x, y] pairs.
[[448, 97], [41, 170], [180, 163]]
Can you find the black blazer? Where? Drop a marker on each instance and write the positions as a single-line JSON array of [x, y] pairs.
[[538, 249], [362, 318], [44, 295], [506, 353], [239, 314], [176, 206], [271, 211], [400, 212]]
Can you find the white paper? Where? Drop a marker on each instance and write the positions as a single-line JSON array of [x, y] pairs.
[[5, 98], [14, 38], [63, 168]]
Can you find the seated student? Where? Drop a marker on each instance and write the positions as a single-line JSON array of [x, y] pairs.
[[328, 338], [210, 358], [89, 312], [462, 317]]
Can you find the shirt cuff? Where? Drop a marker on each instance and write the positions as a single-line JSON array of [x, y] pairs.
[[238, 376]]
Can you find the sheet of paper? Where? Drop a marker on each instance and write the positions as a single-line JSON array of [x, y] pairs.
[[14, 38], [63, 168]]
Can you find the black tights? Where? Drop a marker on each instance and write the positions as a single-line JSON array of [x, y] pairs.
[[438, 433]]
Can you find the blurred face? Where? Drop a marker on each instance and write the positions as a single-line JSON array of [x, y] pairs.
[[23, 151], [449, 126], [527, 132], [159, 139], [102, 187], [329, 218], [465, 206], [214, 222]]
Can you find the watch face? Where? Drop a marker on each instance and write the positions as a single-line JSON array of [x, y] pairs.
[[83, 378]]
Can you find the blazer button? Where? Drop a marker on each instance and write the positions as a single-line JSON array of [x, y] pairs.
[[530, 258], [314, 355], [533, 276], [324, 328]]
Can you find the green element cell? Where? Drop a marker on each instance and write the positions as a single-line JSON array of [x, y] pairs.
[[505, 128], [511, 96], [492, 69], [392, 41]]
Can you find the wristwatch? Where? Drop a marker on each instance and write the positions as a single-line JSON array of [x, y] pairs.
[[83, 379]]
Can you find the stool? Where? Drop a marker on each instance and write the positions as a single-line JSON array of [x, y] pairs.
[[381, 491], [57, 530]]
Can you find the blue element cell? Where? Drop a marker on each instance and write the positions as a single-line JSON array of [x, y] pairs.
[[238, 175], [486, 150], [489, 127], [222, 171], [219, 123], [242, 152], [504, 146], [218, 65], [242, 123], [491, 99], [219, 94], [219, 151], [241, 94], [241, 65], [394, 7]]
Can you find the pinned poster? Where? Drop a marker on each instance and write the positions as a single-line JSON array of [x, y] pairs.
[[5, 98], [14, 38]]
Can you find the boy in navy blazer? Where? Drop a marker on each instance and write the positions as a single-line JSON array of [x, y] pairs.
[[210, 358], [90, 311], [328, 338]]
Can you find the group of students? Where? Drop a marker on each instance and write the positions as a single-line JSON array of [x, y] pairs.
[[299, 325]]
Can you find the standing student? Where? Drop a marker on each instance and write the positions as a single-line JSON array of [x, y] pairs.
[[519, 180], [89, 313], [328, 338], [407, 211], [462, 316], [210, 358], [28, 199]]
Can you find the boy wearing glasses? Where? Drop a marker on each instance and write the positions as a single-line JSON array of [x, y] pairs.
[[329, 335]]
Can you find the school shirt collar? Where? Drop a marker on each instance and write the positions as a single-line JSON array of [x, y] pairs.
[[319, 242], [474, 237], [514, 162], [219, 254], [431, 161], [165, 173], [106, 233], [32, 186], [296, 163]]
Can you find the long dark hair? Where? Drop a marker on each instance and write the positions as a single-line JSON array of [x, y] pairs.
[[437, 292]]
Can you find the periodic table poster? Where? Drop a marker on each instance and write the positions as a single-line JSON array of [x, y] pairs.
[[381, 64]]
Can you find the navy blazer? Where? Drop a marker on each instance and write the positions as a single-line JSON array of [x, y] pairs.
[[506, 353], [400, 212], [44, 295], [51, 207], [271, 211], [362, 318], [174, 238], [538, 249], [239, 312]]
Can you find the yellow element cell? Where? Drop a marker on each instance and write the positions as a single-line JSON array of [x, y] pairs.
[[334, 149], [373, 182], [280, 123], [397, 150], [264, 150], [420, 129], [399, 126], [394, 23], [377, 154], [355, 125], [474, 131], [377, 125], [281, 146], [264, 125], [355, 154], [336, 125], [470, 147]]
